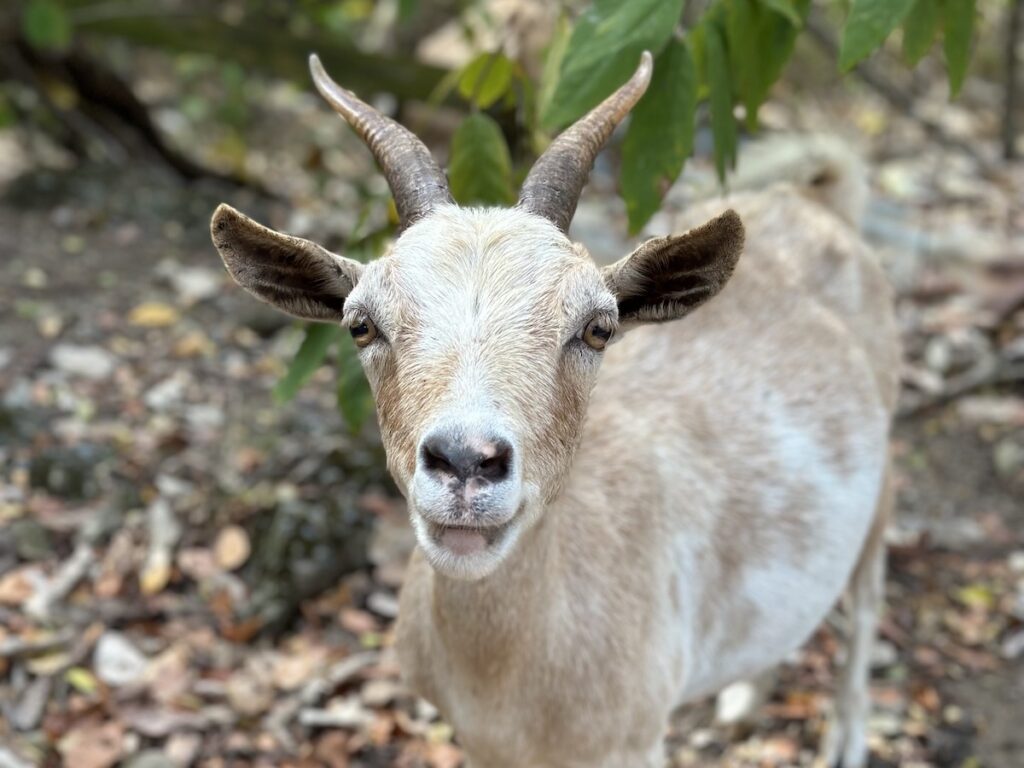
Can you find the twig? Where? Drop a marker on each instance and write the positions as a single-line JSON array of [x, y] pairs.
[[78, 129], [990, 371], [288, 709], [164, 532], [72, 571], [1016, 12], [14, 647]]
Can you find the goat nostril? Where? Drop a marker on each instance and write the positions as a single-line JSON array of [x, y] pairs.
[[434, 459], [496, 467], [442, 456]]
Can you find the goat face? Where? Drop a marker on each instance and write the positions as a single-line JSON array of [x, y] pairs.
[[481, 330], [489, 326], [481, 333]]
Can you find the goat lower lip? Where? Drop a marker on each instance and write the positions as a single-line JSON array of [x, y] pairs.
[[460, 538]]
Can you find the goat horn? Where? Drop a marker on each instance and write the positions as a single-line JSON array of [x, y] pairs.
[[552, 188], [417, 182]]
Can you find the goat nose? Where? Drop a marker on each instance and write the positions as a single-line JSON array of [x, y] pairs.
[[487, 459]]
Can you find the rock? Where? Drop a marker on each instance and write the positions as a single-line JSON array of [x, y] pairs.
[[191, 284], [1016, 561], [183, 748], [883, 654], [1008, 456], [341, 713], [10, 760], [31, 540], [89, 362], [383, 604], [166, 394], [118, 662], [28, 712], [992, 409], [250, 690], [1013, 646], [151, 758]]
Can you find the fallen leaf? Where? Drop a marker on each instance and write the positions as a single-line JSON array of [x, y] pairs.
[[358, 622], [82, 680], [153, 314], [232, 548], [976, 596], [331, 749], [18, 585], [443, 755], [93, 745], [155, 576]]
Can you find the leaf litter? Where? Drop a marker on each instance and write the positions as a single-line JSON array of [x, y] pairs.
[[187, 573]]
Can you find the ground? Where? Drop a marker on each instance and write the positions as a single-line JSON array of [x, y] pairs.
[[170, 591]]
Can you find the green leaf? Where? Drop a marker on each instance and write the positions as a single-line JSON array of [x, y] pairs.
[[760, 43], [919, 30], [604, 50], [958, 27], [7, 113], [307, 360], [787, 9], [723, 123], [867, 26], [480, 169], [46, 25], [486, 79], [82, 680], [552, 64], [355, 401], [660, 135]]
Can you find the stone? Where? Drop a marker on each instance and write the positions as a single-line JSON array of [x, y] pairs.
[[117, 661], [89, 362]]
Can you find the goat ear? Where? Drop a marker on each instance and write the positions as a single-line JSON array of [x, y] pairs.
[[294, 275], [668, 277]]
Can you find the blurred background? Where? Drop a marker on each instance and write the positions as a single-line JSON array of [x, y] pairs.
[[200, 549]]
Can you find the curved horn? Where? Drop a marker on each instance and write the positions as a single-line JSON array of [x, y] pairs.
[[417, 182], [556, 180]]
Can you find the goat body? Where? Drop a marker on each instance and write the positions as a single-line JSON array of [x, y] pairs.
[[607, 530], [728, 476]]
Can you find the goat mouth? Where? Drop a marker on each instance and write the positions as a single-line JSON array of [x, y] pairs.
[[465, 540]]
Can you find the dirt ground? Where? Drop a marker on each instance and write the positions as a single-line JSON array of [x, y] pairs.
[[206, 622]]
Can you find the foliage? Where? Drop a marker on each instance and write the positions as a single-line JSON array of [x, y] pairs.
[[311, 355], [720, 69], [652, 157], [603, 50], [480, 172], [45, 25]]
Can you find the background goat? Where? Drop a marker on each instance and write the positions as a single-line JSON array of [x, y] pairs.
[[607, 530]]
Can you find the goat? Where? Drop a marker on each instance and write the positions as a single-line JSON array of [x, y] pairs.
[[615, 513]]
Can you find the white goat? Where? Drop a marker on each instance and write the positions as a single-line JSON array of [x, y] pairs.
[[609, 530]]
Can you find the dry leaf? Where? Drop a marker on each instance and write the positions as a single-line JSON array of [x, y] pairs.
[[443, 755], [18, 585], [153, 314], [155, 576], [232, 548], [93, 745]]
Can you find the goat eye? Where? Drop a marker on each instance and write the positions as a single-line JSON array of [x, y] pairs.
[[597, 335], [363, 331]]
